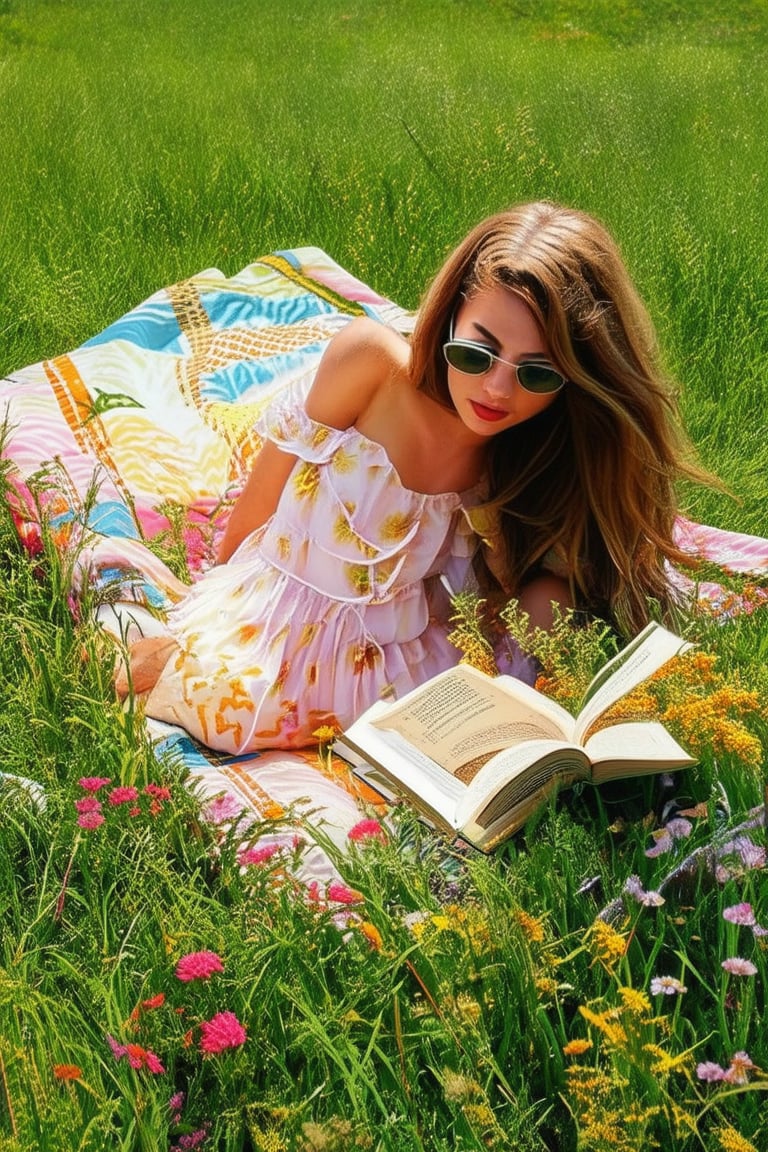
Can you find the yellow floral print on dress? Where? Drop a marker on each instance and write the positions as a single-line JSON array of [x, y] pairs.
[[306, 480], [344, 461], [345, 534], [395, 526]]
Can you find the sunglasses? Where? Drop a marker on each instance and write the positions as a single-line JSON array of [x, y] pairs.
[[477, 359]]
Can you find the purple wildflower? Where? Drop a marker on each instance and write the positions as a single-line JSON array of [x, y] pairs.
[[663, 843], [709, 1071], [634, 888], [739, 914], [738, 856], [738, 966], [223, 808]]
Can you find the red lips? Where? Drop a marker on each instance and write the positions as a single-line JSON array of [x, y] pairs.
[[489, 414]]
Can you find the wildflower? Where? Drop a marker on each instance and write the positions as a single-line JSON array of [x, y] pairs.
[[679, 828], [740, 1066], [415, 920], [458, 1088], [175, 1106], [90, 820], [87, 804], [198, 966], [635, 1001], [468, 1007], [665, 1062], [135, 811], [676, 829], [739, 914], [607, 1023], [67, 1072], [733, 1141], [367, 830], [191, 1140], [157, 792], [155, 1001], [576, 1047], [123, 795], [738, 856], [325, 734], [259, 854], [737, 966], [709, 1071], [372, 934], [222, 808], [340, 894], [546, 986], [94, 783], [663, 843], [532, 926], [480, 1114], [634, 888], [608, 945], [667, 986], [139, 1058], [223, 1030]]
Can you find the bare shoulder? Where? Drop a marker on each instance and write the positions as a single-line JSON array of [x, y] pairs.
[[365, 357]]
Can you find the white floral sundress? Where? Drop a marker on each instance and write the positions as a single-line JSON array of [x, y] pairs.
[[330, 605]]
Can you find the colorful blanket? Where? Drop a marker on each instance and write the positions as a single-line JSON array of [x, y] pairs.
[[135, 445]]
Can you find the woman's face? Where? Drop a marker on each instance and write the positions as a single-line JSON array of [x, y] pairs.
[[502, 323]]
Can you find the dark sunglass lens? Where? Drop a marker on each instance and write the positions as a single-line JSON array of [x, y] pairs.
[[537, 378], [465, 358]]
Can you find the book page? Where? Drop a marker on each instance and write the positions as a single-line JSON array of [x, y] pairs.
[[644, 656], [632, 749], [462, 715], [414, 775], [515, 775]]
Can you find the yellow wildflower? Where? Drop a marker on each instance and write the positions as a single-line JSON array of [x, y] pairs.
[[576, 1047], [732, 1141], [268, 1141], [634, 1001], [607, 1023], [480, 1114], [531, 925], [546, 986], [665, 1062], [325, 734], [607, 945], [468, 1007]]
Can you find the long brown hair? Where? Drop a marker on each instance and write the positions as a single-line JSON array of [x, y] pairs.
[[591, 480]]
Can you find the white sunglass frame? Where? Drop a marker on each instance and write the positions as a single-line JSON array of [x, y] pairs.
[[479, 347]]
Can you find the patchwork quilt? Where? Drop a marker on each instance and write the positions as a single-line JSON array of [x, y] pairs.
[[135, 445]]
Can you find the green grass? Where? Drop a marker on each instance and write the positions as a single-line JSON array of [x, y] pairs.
[[142, 142]]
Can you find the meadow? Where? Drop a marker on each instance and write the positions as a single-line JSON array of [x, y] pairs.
[[155, 991]]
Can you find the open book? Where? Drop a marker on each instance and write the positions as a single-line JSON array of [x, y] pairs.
[[477, 754]]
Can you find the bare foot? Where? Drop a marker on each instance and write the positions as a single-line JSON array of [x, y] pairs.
[[147, 658]]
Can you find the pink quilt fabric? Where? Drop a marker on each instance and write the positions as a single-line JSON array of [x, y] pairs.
[[135, 445]]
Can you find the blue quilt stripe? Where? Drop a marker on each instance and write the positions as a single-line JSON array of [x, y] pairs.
[[232, 383], [152, 326]]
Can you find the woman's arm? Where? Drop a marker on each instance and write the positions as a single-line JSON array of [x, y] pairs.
[[355, 364]]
